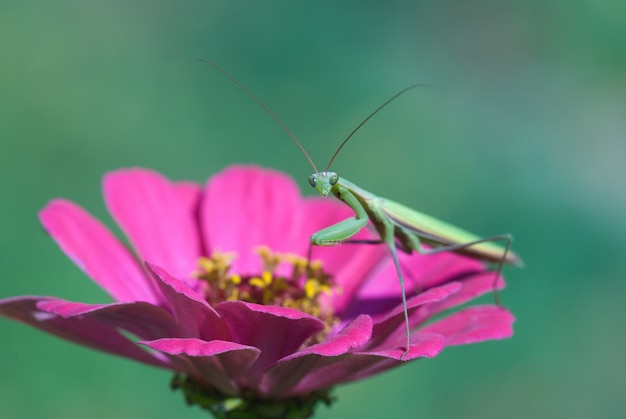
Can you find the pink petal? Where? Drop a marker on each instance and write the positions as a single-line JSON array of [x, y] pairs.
[[420, 272], [189, 194], [97, 252], [157, 221], [474, 324], [217, 363], [83, 330], [246, 207], [276, 331], [390, 331], [292, 370], [141, 319], [472, 287], [194, 315], [422, 346], [320, 371], [356, 334]]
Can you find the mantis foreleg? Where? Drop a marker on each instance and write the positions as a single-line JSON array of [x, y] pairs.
[[344, 230]]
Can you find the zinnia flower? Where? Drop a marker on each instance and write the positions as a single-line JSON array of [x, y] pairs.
[[216, 288]]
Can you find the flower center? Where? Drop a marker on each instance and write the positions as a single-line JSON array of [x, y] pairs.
[[300, 289]]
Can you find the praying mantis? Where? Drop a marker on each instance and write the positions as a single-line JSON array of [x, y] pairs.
[[398, 226]]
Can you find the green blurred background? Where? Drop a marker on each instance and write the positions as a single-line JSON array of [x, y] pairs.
[[522, 130]]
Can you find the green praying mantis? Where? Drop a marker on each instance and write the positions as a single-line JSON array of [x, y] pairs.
[[398, 226]]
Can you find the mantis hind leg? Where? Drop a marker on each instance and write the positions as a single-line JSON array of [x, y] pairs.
[[390, 239], [415, 244]]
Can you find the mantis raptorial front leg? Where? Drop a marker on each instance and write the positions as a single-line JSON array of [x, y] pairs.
[[344, 230]]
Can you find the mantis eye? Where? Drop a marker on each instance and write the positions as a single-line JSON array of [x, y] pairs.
[[313, 180], [334, 179]]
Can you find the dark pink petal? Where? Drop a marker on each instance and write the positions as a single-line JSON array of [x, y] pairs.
[[318, 371], [194, 315], [217, 363], [423, 345], [189, 194], [474, 324], [285, 375], [276, 331], [420, 273], [157, 221], [93, 248], [390, 331], [472, 287], [141, 319], [83, 330], [356, 334], [246, 207]]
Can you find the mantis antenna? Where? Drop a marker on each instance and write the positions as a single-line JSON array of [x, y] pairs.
[[265, 108], [391, 99], [284, 127]]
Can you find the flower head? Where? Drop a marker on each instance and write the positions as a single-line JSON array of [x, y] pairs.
[[217, 288]]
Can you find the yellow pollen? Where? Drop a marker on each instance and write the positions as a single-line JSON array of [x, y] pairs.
[[315, 265], [256, 282], [205, 264], [310, 288], [267, 277], [300, 289], [234, 296]]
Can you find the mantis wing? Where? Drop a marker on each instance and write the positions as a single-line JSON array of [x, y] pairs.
[[437, 233]]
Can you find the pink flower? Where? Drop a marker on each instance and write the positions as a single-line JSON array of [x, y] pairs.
[[194, 292]]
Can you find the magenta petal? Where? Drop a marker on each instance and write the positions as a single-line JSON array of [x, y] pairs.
[[93, 248], [472, 287], [292, 370], [141, 319], [189, 194], [420, 272], [390, 332], [157, 221], [217, 363], [356, 334], [422, 346], [247, 207], [319, 371], [276, 331], [83, 330], [474, 324], [194, 315]]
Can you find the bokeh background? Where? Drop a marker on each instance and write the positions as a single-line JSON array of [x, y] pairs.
[[522, 130]]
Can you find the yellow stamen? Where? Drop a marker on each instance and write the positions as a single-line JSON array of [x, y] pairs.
[[299, 290]]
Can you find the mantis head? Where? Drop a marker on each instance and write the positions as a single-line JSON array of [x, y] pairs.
[[323, 181]]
